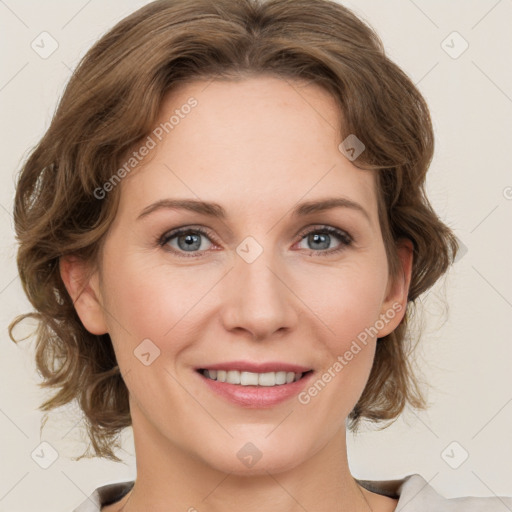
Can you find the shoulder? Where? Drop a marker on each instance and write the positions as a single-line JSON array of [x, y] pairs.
[[421, 496], [415, 493], [104, 495]]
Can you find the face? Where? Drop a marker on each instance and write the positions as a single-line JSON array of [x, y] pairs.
[[273, 289]]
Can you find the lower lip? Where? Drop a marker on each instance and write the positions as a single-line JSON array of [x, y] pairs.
[[257, 396]]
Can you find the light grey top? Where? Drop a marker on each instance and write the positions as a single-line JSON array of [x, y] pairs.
[[414, 494]]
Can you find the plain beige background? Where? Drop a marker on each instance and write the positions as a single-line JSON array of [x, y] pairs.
[[465, 355]]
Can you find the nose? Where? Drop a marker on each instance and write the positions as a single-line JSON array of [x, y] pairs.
[[258, 299]]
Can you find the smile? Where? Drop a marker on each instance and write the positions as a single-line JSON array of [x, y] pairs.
[[242, 378], [258, 388]]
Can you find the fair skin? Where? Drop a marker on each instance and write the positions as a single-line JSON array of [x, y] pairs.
[[258, 147]]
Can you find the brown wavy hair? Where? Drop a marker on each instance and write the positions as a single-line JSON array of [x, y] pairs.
[[112, 102]]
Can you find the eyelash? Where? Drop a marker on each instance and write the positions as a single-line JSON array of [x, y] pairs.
[[343, 237]]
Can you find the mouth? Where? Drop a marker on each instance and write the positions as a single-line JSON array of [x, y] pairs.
[[256, 386], [245, 378]]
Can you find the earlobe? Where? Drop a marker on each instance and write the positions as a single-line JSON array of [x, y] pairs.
[[82, 286], [395, 303]]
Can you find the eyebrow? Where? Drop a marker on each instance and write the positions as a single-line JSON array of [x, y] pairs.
[[217, 211]]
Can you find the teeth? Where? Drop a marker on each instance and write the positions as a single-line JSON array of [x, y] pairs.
[[233, 377], [267, 379], [281, 378], [249, 379]]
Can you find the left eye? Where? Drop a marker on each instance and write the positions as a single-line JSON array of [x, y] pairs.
[[323, 237]]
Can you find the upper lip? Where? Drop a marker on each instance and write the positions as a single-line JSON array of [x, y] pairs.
[[254, 367]]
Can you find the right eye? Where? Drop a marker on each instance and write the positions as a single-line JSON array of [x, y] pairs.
[[185, 240]]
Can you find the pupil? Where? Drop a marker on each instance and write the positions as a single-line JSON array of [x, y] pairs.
[[319, 238], [190, 240]]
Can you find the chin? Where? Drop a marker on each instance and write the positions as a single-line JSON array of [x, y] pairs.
[[260, 456], [273, 464]]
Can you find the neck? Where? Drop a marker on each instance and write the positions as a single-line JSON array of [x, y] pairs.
[[170, 479]]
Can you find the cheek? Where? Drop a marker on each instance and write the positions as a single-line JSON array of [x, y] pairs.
[[349, 303], [346, 301], [354, 315], [157, 302], [349, 352]]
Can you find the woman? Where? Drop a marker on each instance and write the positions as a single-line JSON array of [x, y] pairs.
[[169, 222]]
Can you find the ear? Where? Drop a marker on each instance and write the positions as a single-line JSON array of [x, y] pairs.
[[395, 302], [82, 285]]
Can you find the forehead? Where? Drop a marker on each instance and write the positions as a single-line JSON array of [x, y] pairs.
[[263, 143]]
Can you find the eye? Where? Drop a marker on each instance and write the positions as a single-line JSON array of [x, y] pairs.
[[186, 240], [322, 238]]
